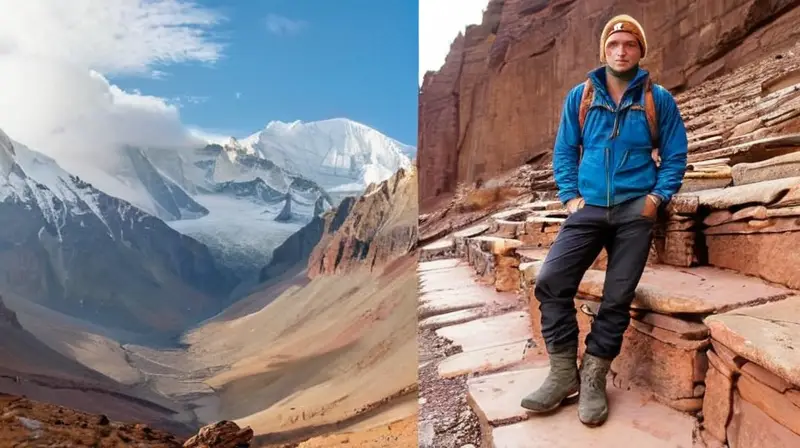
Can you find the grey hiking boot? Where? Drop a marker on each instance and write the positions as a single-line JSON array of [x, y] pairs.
[[592, 401], [561, 382]]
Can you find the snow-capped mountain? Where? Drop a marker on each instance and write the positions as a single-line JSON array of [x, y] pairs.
[[254, 205], [243, 198], [132, 176], [340, 155], [73, 248]]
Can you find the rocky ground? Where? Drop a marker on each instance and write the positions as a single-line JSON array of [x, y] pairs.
[[399, 434], [28, 423], [445, 419]]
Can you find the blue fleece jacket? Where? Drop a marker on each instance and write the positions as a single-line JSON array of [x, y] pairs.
[[617, 163]]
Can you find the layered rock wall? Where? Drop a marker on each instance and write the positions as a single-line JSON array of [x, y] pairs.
[[379, 227], [495, 102], [301, 244]]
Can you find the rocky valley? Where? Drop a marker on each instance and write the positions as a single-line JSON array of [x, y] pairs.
[[127, 315]]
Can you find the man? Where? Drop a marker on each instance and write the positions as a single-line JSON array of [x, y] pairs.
[[612, 190]]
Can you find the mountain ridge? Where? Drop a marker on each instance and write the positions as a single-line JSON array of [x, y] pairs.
[[75, 249]]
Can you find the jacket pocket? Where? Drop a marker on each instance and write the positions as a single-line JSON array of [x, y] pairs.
[[636, 172], [592, 173]]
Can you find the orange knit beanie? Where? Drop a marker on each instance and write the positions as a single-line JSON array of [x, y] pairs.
[[620, 23]]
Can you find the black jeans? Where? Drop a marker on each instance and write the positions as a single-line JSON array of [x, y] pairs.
[[626, 234]]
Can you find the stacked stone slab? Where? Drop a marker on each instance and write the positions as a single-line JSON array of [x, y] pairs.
[[492, 248], [746, 228], [437, 250], [751, 227], [508, 223], [461, 237], [495, 261], [665, 344], [753, 380]]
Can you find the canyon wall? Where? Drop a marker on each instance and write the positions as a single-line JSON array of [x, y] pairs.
[[380, 226], [494, 104]]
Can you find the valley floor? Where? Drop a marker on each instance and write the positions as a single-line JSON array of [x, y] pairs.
[[296, 360]]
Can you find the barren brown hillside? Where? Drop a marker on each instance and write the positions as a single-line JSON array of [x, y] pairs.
[[302, 357]]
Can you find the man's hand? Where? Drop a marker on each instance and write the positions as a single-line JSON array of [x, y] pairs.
[[651, 204], [575, 204]]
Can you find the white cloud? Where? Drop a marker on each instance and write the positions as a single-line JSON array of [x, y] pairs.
[[110, 36], [158, 74], [55, 58], [440, 21], [182, 101], [283, 25], [218, 136]]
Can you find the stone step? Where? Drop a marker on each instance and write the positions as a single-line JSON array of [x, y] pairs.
[[436, 250], [787, 165], [466, 297], [461, 236], [483, 360], [699, 290], [529, 254], [541, 231], [509, 223], [754, 375], [452, 318], [446, 278], [664, 348], [742, 228], [746, 226], [671, 290], [633, 419], [492, 331], [495, 261], [449, 263], [543, 206]]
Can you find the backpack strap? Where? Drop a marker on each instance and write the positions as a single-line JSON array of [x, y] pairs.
[[586, 102], [649, 109], [651, 112]]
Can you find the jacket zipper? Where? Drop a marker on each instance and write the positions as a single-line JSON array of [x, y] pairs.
[[608, 179], [624, 158], [609, 163]]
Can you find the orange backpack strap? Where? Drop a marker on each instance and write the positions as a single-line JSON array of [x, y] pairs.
[[649, 109], [586, 102], [650, 112], [652, 120]]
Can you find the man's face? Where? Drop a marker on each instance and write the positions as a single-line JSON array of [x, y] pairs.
[[622, 51]]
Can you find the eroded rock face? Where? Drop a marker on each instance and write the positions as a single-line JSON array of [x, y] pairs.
[[23, 420], [8, 317], [379, 227], [477, 113], [223, 434]]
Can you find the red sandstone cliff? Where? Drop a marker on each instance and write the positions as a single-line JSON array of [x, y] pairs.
[[379, 227], [495, 102]]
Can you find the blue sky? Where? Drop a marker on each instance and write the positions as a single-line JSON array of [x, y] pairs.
[[299, 60]]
